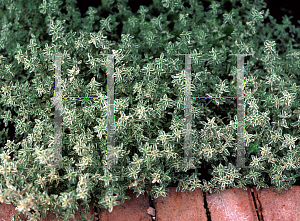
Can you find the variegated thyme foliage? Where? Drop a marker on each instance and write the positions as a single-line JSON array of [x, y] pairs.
[[149, 100]]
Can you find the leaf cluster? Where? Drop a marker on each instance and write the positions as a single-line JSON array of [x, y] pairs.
[[149, 100]]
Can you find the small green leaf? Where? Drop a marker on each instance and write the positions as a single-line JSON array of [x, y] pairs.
[[254, 147]]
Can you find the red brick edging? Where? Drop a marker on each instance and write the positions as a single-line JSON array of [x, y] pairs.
[[231, 204]]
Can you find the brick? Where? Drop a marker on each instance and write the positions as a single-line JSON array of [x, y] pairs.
[[6, 211], [280, 207], [181, 206], [232, 204], [133, 209]]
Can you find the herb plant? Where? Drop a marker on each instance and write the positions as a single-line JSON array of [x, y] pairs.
[[149, 100]]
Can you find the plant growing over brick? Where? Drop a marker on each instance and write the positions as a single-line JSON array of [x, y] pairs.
[[149, 100]]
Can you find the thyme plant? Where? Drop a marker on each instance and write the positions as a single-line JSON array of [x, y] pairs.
[[149, 100]]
